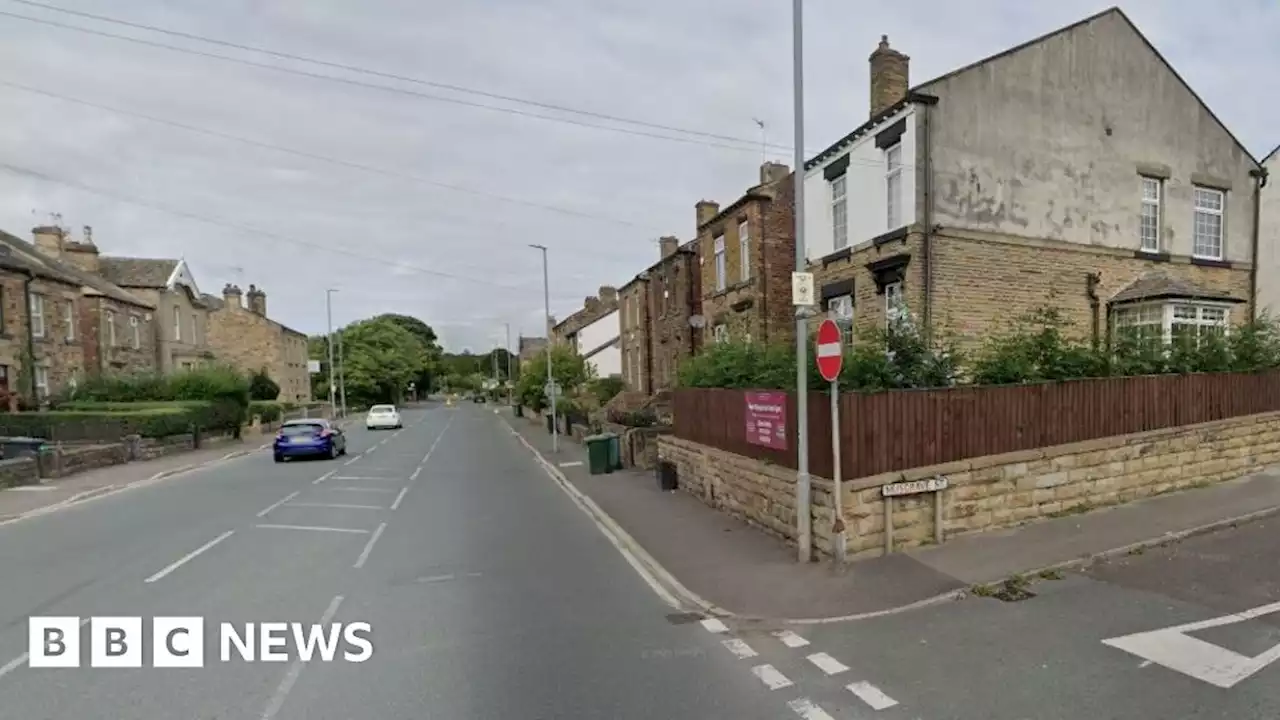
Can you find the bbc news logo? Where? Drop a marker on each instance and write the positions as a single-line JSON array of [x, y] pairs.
[[179, 642]]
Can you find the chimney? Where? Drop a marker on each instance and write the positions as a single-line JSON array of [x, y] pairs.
[[706, 211], [889, 77], [591, 304], [82, 254], [257, 301], [48, 240], [608, 294], [669, 246], [231, 296], [773, 172]]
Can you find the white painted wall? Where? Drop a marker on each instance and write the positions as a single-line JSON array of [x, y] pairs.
[[607, 329], [867, 190], [1269, 240]]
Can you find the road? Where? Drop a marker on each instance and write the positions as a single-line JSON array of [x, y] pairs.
[[489, 593]]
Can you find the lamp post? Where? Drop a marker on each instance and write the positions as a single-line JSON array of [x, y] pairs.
[[804, 519], [333, 387], [551, 386]]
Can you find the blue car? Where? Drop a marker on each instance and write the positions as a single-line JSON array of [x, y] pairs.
[[309, 438]]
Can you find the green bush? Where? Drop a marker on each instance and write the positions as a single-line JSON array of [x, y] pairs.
[[221, 416], [606, 388], [103, 425], [266, 411], [262, 387], [223, 386]]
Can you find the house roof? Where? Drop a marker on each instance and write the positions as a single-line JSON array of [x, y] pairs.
[[920, 93], [147, 273], [1161, 286], [21, 256], [1274, 153], [213, 302]]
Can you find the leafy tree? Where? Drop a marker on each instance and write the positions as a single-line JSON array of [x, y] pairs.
[[262, 387], [380, 359], [568, 368], [427, 338]]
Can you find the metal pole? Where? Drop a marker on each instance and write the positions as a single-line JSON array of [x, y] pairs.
[[837, 527], [342, 377], [551, 386], [804, 520], [328, 306], [508, 348]]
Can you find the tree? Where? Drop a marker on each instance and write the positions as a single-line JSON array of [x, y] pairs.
[[381, 358], [568, 368], [426, 336], [262, 387]]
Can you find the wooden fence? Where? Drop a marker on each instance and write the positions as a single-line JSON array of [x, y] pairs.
[[901, 429]]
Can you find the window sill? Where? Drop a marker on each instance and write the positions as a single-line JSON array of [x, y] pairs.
[[1152, 255], [1211, 262]]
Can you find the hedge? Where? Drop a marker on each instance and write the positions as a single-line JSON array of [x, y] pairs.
[[266, 410], [107, 426], [204, 414]]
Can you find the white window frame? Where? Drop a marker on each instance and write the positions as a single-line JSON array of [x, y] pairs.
[[893, 186], [720, 333], [1163, 315], [1151, 214], [195, 328], [840, 309], [112, 339], [720, 264], [839, 212], [177, 323], [744, 249], [37, 315], [1202, 245], [135, 332], [69, 317], [42, 381], [894, 305]]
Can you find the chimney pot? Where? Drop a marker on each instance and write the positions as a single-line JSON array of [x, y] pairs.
[[669, 245], [773, 172], [890, 77], [88, 234], [706, 210]]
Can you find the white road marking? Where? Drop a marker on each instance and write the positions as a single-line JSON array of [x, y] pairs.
[[276, 504], [316, 528], [770, 676], [739, 648], [415, 474], [31, 488], [571, 463], [17, 662], [363, 477], [805, 708], [368, 548], [715, 625], [371, 450], [295, 669], [341, 506], [323, 477], [396, 505], [1173, 648], [432, 449], [790, 639], [189, 556], [827, 664], [871, 695], [357, 489], [436, 578], [353, 459]]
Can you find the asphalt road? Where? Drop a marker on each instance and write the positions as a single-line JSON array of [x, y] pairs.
[[489, 593]]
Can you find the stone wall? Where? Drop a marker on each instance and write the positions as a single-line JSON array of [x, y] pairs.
[[19, 471], [987, 493], [152, 448]]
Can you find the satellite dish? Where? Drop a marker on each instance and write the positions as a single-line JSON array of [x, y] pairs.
[[697, 321]]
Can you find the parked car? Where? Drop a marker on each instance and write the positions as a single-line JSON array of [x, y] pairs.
[[313, 437], [383, 416]]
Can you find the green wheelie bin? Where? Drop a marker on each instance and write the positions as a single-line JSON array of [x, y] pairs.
[[597, 454]]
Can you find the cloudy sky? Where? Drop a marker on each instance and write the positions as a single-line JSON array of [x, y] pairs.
[[394, 187]]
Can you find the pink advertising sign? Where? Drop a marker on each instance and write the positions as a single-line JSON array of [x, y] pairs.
[[767, 419]]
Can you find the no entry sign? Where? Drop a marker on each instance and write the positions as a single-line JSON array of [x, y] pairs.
[[830, 352]]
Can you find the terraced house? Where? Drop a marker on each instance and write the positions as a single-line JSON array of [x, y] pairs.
[[240, 332], [1003, 186], [181, 330]]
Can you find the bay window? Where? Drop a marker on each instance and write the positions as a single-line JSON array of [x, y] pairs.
[[1167, 322]]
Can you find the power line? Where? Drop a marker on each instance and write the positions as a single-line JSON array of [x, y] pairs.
[[245, 229], [262, 144], [374, 86], [387, 75]]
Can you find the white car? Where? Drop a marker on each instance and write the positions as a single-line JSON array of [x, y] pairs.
[[383, 416]]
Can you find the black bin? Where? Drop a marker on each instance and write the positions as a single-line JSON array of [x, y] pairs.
[[551, 427], [666, 474]]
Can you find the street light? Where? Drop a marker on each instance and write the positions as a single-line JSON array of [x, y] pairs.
[[804, 522], [510, 385], [551, 387], [333, 388]]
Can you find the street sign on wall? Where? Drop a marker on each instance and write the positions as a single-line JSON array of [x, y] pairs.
[[766, 414], [830, 353]]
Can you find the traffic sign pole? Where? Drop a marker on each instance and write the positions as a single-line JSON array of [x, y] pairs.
[[830, 354]]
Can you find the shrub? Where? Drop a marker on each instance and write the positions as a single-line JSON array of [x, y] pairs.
[[218, 416], [645, 417], [100, 425], [606, 388], [262, 387], [214, 383], [266, 411]]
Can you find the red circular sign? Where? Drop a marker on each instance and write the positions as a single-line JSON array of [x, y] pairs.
[[830, 350]]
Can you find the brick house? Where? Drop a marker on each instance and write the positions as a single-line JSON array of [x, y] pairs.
[[1002, 187], [75, 322], [746, 254], [530, 348], [633, 313], [181, 328], [240, 333], [659, 307], [1269, 242]]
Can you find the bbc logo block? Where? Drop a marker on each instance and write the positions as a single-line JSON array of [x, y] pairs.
[[179, 642]]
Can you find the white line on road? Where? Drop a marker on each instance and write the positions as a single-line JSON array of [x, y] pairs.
[[715, 625], [368, 548], [770, 676], [871, 695], [276, 504], [323, 477], [17, 662], [432, 449], [739, 648], [317, 528], [396, 504], [341, 506], [436, 578], [291, 677], [353, 459], [790, 639], [189, 556], [32, 488], [805, 708], [571, 463], [415, 474], [827, 664], [357, 489], [362, 477]]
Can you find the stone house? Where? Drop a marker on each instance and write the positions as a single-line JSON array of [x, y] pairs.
[[593, 332], [1077, 170], [1269, 240], [530, 348], [746, 254], [240, 333], [633, 313], [182, 318], [75, 323], [661, 308]]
